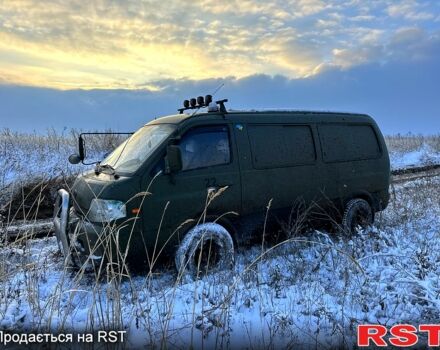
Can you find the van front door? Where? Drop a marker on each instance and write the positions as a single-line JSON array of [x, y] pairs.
[[209, 164]]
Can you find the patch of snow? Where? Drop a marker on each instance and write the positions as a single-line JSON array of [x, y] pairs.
[[425, 155]]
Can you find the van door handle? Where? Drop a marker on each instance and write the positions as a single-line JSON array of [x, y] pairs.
[[213, 189]]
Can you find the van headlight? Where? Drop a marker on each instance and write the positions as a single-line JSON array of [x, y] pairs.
[[105, 210]]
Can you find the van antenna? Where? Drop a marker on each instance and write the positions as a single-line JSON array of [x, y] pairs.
[[218, 88]]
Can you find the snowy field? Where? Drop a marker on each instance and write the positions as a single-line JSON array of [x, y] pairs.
[[411, 151], [30, 157], [310, 291]]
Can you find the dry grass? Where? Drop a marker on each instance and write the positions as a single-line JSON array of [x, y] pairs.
[[34, 166], [30, 157], [310, 290], [408, 143]]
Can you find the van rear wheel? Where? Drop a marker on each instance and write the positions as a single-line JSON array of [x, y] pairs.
[[206, 248], [358, 213]]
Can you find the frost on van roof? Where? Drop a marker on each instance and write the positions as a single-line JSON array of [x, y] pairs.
[[267, 110]]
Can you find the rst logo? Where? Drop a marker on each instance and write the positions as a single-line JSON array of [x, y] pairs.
[[401, 335]]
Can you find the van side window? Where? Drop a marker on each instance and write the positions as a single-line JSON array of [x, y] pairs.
[[344, 142], [275, 146], [204, 147]]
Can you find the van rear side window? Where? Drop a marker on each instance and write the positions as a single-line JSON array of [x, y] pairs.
[[275, 146], [344, 142]]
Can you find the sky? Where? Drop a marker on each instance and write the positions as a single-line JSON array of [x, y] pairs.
[[117, 64]]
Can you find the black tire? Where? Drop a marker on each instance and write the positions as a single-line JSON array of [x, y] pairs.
[[358, 213], [206, 248]]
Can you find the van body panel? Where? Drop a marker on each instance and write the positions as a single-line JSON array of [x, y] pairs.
[[279, 182], [184, 195], [362, 176], [90, 185]]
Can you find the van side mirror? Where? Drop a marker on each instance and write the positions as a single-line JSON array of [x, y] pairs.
[[81, 148], [74, 159], [173, 160], [78, 157]]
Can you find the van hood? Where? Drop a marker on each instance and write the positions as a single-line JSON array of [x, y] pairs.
[[91, 185]]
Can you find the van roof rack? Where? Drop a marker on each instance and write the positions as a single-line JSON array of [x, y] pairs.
[[202, 102]]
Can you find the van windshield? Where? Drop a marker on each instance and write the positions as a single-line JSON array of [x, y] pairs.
[[132, 153]]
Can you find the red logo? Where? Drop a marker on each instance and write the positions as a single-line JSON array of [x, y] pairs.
[[401, 335]]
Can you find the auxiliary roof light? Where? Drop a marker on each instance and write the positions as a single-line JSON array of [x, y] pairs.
[[200, 101]]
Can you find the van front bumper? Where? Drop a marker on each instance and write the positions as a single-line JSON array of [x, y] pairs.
[[78, 239]]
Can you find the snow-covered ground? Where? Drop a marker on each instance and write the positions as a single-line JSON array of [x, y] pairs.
[[26, 158], [309, 292], [424, 155]]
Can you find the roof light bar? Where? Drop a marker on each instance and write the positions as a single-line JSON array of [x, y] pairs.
[[200, 102]]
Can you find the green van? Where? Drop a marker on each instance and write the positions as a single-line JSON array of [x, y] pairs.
[[184, 184]]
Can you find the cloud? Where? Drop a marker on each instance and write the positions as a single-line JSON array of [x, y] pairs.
[[409, 9], [401, 46], [414, 44], [402, 97], [121, 44]]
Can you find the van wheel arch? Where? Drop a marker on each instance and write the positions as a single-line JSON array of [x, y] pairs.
[[365, 195], [218, 219], [226, 223]]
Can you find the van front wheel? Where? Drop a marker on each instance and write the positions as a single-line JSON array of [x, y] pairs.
[[358, 213], [206, 248]]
